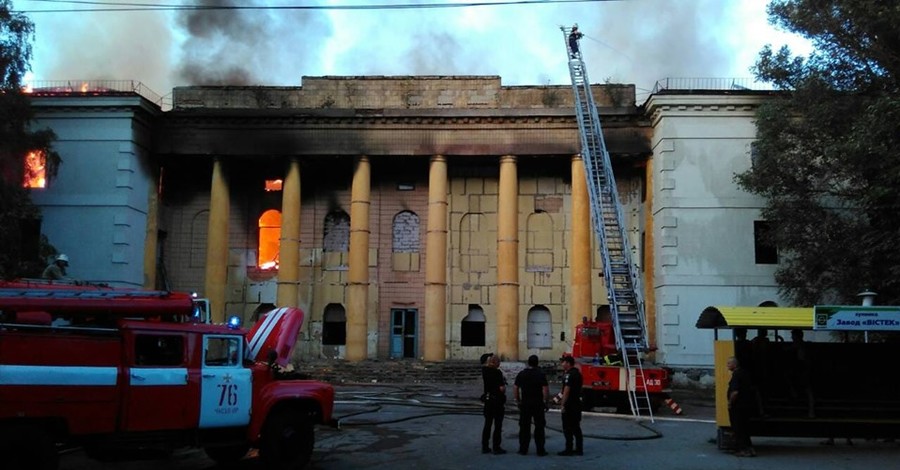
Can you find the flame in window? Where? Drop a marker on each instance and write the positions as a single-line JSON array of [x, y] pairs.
[[35, 169], [273, 185], [269, 239]]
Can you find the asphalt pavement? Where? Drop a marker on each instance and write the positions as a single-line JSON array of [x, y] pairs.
[[436, 426]]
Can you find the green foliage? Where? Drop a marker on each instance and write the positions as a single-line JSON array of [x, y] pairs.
[[826, 157], [17, 213]]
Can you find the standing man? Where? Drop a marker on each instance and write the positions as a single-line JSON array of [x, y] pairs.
[[531, 392], [741, 400], [570, 397], [494, 404]]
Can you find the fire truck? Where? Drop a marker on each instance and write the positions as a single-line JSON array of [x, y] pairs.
[[117, 370], [606, 382]]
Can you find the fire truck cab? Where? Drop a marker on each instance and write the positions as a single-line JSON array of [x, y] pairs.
[[606, 382], [116, 370]]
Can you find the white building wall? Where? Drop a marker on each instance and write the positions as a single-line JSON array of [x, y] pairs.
[[95, 210], [703, 223]]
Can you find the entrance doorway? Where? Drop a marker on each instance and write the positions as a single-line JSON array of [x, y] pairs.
[[403, 332]]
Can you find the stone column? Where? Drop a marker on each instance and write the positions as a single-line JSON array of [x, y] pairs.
[[151, 238], [436, 262], [580, 251], [217, 244], [358, 275], [289, 243], [508, 260]]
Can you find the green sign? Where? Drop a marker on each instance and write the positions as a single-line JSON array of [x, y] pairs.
[[850, 317]]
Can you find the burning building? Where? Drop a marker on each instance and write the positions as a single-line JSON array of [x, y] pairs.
[[408, 216]]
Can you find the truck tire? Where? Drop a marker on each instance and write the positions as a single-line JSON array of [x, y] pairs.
[[287, 441], [30, 446], [226, 455]]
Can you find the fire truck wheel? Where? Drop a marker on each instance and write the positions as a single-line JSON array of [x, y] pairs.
[[287, 440], [31, 447], [224, 455]]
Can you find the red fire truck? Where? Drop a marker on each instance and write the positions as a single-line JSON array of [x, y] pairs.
[[115, 370], [605, 379]]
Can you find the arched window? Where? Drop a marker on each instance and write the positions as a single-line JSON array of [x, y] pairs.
[[405, 242], [337, 232], [334, 325], [539, 328], [269, 239], [472, 328]]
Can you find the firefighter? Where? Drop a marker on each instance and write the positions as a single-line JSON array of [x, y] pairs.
[[531, 391], [56, 271], [570, 398], [741, 401], [574, 36], [494, 404]]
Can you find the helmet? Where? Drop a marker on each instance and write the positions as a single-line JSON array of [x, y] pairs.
[[62, 257]]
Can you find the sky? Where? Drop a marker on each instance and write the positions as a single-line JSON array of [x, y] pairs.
[[626, 41]]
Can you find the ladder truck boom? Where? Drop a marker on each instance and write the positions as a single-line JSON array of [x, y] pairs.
[[622, 279]]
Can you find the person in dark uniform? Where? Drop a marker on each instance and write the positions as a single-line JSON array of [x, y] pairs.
[[574, 36], [571, 407], [741, 401], [494, 404], [531, 392]]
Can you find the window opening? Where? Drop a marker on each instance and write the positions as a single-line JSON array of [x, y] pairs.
[[35, 170], [472, 327], [269, 239], [223, 351], [763, 243], [334, 325]]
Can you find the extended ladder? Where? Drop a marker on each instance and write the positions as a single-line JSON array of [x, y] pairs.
[[622, 280]]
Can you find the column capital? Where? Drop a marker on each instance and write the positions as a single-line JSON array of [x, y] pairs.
[[438, 158], [577, 157], [508, 159]]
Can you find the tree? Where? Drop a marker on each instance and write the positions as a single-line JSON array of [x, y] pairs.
[[826, 157], [18, 215]]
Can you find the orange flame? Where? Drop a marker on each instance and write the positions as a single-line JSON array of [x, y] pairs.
[[35, 170], [84, 87]]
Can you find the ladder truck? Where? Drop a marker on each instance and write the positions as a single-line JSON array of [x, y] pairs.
[[626, 378]]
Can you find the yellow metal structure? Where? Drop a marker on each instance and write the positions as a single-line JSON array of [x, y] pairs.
[[779, 318]]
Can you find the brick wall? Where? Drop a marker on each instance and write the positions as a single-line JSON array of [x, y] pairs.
[[397, 92]]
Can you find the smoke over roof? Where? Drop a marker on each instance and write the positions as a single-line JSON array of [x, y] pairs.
[[638, 41]]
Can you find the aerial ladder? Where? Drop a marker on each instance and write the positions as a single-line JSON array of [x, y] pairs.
[[620, 275]]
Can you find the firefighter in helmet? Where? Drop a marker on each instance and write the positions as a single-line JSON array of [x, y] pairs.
[[56, 271]]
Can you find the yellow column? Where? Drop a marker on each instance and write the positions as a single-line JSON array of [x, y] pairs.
[[358, 275], [151, 239], [508, 260], [289, 243], [580, 252], [436, 262], [217, 244]]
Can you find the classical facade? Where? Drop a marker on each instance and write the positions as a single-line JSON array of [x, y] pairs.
[[427, 217]]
